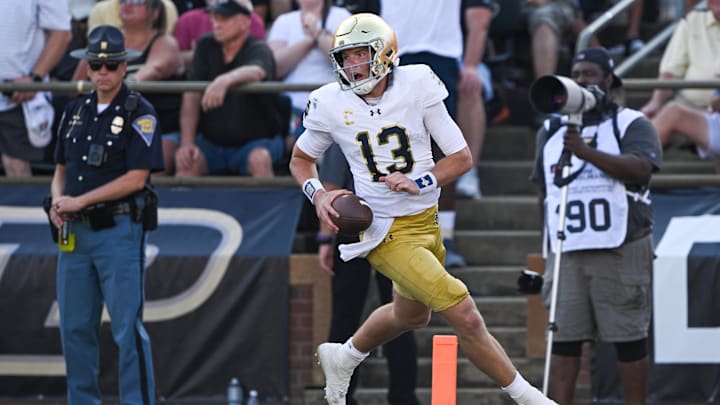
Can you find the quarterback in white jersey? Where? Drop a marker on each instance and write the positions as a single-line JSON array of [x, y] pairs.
[[383, 117], [392, 135]]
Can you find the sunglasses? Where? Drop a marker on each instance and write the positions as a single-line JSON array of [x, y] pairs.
[[111, 65]]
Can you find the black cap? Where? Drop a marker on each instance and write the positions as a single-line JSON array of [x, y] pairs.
[[601, 57], [105, 43], [232, 7]]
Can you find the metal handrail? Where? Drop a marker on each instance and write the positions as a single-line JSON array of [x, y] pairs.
[[657, 181], [276, 87], [658, 40], [180, 86], [649, 84], [599, 23]]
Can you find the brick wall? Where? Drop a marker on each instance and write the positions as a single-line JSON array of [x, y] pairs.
[[301, 341], [310, 302]]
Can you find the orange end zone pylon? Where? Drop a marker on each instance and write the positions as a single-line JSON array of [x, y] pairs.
[[444, 370]]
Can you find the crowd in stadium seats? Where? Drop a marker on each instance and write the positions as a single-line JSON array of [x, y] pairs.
[[299, 34], [167, 31]]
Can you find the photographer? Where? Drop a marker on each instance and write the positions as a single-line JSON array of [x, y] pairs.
[[604, 275]]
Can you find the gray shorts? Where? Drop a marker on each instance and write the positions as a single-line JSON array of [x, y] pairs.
[[14, 140], [603, 294], [558, 14]]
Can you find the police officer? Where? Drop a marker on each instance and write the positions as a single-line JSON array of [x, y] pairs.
[[108, 144]]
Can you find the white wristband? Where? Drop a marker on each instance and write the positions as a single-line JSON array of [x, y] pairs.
[[426, 182], [310, 187]]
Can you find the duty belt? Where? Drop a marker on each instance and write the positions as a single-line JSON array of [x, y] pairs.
[[114, 208]]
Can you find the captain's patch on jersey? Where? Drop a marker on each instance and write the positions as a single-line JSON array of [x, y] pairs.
[[145, 127]]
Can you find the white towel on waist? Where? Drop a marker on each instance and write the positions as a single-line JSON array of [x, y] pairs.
[[369, 240]]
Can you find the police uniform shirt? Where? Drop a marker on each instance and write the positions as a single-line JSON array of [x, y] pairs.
[[97, 148]]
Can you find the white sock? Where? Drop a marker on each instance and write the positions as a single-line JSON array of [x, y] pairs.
[[447, 224], [525, 394], [354, 353], [517, 387]]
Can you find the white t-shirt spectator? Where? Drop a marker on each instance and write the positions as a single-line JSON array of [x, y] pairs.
[[21, 28], [315, 67]]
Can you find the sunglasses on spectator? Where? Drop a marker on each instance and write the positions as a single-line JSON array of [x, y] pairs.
[[132, 1], [110, 65]]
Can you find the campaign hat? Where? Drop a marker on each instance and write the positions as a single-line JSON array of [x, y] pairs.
[[105, 43]]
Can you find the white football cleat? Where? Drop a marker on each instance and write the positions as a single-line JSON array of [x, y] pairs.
[[337, 372]]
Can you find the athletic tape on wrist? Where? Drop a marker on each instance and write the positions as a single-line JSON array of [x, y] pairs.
[[426, 182], [310, 187]]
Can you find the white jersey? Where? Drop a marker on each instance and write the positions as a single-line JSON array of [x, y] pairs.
[[597, 206], [382, 138]]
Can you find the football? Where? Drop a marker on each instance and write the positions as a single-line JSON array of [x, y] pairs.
[[355, 214]]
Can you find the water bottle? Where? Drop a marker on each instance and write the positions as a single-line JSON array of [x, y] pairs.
[[253, 398], [234, 392]]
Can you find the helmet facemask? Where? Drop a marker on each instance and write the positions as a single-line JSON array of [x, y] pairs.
[[364, 30], [377, 69]]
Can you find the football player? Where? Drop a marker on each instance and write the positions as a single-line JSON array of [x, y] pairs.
[[383, 117]]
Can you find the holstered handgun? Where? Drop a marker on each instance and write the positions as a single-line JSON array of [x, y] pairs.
[[47, 205], [146, 208]]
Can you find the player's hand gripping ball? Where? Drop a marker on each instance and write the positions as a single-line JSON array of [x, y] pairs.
[[355, 214]]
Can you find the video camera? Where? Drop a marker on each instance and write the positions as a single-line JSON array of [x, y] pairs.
[[561, 95]]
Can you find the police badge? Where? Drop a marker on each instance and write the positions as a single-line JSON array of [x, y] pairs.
[[117, 125]]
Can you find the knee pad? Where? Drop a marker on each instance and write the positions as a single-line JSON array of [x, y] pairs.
[[631, 351], [567, 349]]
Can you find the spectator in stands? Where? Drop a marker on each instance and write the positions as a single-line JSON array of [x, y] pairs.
[[593, 8], [300, 41], [79, 11], [701, 128], [270, 10], [549, 22], [430, 33], [350, 283], [35, 35], [228, 132], [197, 22], [360, 6], [144, 29], [603, 287], [107, 12], [473, 88], [183, 6], [692, 53]]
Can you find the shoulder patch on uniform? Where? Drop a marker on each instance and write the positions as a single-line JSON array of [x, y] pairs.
[[145, 126]]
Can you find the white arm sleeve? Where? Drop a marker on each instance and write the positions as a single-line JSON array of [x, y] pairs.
[[314, 142], [444, 131]]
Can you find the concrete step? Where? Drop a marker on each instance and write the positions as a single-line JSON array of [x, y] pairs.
[[510, 177], [497, 247], [490, 281], [374, 374], [377, 396], [512, 338], [498, 212], [508, 142], [497, 311]]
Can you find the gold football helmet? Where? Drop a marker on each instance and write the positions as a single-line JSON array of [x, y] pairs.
[[364, 29]]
